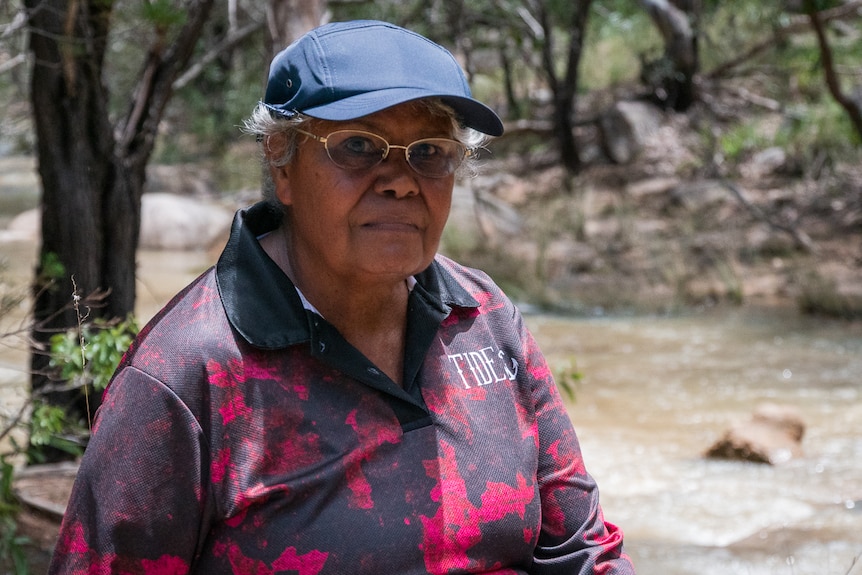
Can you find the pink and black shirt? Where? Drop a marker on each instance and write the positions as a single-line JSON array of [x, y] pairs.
[[242, 434]]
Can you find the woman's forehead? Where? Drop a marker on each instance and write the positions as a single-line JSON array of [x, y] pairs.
[[409, 117]]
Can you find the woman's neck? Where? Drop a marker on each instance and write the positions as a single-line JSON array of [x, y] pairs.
[[372, 316]]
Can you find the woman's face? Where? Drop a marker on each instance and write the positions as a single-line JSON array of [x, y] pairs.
[[381, 224]]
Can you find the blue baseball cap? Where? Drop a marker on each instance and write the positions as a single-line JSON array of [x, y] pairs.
[[346, 70]]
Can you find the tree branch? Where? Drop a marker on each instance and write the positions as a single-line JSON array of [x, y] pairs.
[[16, 419], [17, 23], [12, 63], [797, 25], [801, 238], [226, 44], [163, 67], [852, 107]]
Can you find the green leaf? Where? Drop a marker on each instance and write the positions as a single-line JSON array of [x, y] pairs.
[[163, 14]]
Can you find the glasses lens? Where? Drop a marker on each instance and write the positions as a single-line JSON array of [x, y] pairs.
[[357, 150], [354, 150], [435, 157]]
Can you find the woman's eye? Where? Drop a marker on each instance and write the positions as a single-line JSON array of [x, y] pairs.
[[420, 151], [360, 145]]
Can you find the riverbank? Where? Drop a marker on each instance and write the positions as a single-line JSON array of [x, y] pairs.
[[669, 229]]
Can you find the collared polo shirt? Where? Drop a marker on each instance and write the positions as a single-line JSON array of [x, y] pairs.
[[243, 434]]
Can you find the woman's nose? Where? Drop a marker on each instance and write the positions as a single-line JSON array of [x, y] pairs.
[[395, 176]]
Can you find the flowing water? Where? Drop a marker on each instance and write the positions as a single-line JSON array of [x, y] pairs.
[[655, 392]]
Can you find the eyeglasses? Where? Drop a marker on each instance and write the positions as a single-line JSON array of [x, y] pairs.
[[358, 150]]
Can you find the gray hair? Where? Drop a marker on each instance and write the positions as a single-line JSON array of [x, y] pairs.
[[265, 124]]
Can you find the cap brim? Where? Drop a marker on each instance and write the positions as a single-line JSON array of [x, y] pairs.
[[471, 113]]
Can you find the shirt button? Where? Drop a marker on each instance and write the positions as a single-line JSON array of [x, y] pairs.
[[373, 371], [322, 346]]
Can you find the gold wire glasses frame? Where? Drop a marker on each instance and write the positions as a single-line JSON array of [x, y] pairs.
[[359, 150]]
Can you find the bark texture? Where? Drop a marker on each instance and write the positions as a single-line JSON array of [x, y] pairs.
[[92, 171]]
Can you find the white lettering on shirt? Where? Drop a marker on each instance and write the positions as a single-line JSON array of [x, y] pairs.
[[483, 367]]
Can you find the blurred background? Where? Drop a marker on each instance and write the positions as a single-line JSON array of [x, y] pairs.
[[676, 206]]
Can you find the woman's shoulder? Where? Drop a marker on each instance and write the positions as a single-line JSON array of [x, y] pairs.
[[479, 285], [192, 305], [190, 324], [465, 275]]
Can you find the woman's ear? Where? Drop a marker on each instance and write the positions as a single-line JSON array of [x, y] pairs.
[[281, 183], [274, 149]]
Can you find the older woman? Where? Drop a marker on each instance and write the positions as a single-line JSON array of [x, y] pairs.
[[333, 397]]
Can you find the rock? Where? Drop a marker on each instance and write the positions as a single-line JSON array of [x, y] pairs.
[[45, 487], [43, 491], [172, 222], [24, 226], [479, 218], [768, 162], [181, 180], [651, 187], [773, 435], [462, 232], [699, 195], [833, 289], [498, 220], [765, 241], [168, 222], [782, 417], [565, 257], [625, 127]]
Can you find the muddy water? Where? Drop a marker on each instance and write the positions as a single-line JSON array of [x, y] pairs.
[[655, 393]]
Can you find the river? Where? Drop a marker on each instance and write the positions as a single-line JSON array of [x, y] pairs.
[[655, 392]]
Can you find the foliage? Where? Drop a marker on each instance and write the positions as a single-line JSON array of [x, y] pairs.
[[730, 26], [819, 130], [809, 133], [568, 378], [620, 41], [90, 357], [52, 267], [163, 14], [86, 359], [819, 296], [11, 542], [619, 36], [50, 427], [397, 11], [740, 140]]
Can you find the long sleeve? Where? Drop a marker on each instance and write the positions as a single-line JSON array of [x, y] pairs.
[[138, 503], [574, 538]]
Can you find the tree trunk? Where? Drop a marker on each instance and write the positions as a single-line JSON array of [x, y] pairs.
[[672, 78], [565, 89], [290, 19], [92, 172], [75, 155], [513, 107], [852, 105]]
